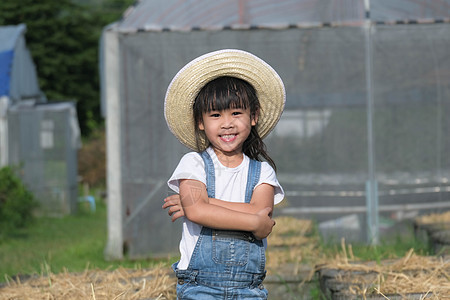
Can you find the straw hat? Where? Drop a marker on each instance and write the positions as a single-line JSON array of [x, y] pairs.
[[188, 82]]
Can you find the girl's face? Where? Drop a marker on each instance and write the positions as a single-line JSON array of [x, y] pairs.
[[227, 129]]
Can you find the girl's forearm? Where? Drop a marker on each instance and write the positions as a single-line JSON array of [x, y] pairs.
[[236, 206], [195, 202], [218, 217]]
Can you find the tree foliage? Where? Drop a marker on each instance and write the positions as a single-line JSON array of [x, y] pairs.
[[63, 37]]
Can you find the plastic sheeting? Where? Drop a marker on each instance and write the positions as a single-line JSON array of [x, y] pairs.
[[218, 14], [184, 15], [397, 10], [9, 36]]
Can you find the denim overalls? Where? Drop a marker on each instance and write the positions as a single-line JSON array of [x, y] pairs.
[[225, 264]]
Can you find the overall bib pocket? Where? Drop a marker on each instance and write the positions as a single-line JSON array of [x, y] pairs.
[[230, 251]]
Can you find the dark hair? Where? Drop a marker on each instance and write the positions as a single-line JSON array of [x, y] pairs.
[[228, 93]]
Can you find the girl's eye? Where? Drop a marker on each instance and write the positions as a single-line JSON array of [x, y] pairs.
[[215, 115], [236, 113]]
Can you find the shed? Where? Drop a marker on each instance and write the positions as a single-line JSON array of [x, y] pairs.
[[365, 134], [18, 78], [38, 137]]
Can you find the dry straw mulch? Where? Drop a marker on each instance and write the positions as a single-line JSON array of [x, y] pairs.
[[292, 242], [293, 248], [95, 284], [434, 218], [412, 274]]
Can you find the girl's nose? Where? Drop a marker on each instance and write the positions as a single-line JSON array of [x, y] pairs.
[[227, 122]]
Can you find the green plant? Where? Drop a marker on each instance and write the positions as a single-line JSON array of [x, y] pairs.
[[16, 202], [315, 292]]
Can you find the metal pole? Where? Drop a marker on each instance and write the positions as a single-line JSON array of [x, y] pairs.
[[371, 184], [114, 246], [4, 141]]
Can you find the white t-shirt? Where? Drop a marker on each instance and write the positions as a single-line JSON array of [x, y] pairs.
[[230, 186]]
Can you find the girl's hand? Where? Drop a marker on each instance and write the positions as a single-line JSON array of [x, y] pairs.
[[266, 223], [173, 202]]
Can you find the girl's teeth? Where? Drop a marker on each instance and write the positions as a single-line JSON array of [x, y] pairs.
[[228, 137]]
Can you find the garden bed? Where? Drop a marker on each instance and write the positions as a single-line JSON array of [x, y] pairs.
[[410, 277], [434, 229]]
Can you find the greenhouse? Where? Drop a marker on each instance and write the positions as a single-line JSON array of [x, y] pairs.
[[38, 138], [363, 143]]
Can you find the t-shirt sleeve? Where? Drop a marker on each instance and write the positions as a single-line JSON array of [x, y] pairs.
[[191, 166], [269, 176]]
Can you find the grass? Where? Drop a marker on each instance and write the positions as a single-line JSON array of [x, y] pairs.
[[389, 247], [71, 243]]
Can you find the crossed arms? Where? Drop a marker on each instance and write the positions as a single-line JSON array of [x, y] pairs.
[[194, 204]]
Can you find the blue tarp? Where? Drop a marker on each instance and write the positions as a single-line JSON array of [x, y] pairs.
[[18, 76], [6, 58]]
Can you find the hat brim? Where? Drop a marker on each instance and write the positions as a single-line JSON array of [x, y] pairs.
[[188, 82]]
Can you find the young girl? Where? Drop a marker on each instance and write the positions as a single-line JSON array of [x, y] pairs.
[[222, 105]]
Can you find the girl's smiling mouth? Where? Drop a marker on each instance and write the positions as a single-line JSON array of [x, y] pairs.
[[228, 137]]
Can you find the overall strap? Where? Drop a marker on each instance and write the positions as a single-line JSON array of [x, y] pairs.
[[210, 176], [254, 170]]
